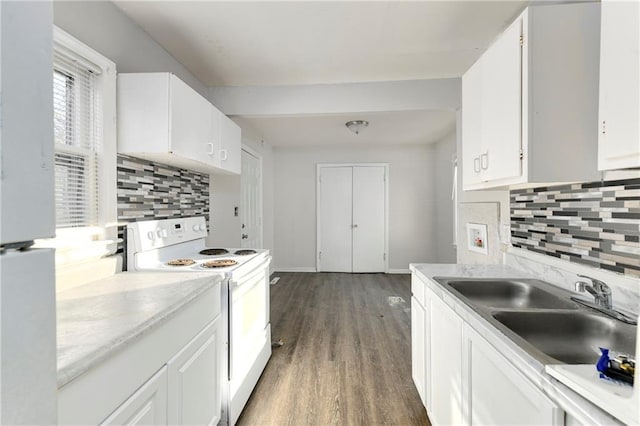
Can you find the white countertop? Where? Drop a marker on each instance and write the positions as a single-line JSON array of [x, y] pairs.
[[99, 318], [530, 367]]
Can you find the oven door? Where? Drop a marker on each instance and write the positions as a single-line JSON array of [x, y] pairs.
[[249, 330]]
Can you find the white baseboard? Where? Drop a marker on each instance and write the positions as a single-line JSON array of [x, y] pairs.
[[398, 271], [294, 269]]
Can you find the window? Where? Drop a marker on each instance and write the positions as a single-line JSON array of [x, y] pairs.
[[77, 136], [84, 138]]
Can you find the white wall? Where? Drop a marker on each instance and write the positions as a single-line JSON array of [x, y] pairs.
[[412, 223], [444, 151], [102, 26]]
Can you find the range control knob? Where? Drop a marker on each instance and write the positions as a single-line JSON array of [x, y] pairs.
[[203, 227], [150, 235], [162, 233], [196, 228]]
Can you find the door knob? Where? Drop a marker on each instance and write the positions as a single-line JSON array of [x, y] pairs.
[[245, 236]]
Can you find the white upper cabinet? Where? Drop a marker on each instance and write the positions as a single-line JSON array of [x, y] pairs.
[[619, 132], [530, 101], [492, 112], [472, 124], [162, 119], [189, 122], [230, 136]]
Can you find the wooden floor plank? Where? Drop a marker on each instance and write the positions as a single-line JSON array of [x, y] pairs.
[[346, 358]]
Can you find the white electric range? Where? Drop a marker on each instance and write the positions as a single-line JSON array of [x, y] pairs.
[[178, 245]]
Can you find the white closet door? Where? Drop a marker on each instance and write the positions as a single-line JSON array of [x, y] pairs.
[[250, 205], [368, 219], [335, 219]]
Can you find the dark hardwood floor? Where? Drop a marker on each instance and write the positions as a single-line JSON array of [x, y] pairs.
[[346, 357]]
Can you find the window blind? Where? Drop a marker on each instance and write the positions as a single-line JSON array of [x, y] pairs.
[[78, 147]]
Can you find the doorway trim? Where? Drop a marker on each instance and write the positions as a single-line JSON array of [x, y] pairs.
[[320, 166], [257, 155]]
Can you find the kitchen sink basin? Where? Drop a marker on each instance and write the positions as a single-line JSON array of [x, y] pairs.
[[507, 293], [572, 337]]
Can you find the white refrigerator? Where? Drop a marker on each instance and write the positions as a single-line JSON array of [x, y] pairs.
[[27, 276]]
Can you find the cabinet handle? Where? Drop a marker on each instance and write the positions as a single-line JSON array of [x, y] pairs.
[[223, 154], [476, 164], [484, 160], [210, 152]]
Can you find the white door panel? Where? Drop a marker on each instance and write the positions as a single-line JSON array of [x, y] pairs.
[[336, 219], [368, 219], [352, 218], [250, 209]]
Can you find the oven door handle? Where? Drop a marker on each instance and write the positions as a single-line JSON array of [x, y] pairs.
[[233, 280]]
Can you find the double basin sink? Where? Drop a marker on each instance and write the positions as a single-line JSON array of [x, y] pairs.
[[543, 320]]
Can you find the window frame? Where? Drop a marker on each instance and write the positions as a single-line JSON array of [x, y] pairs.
[[80, 244]]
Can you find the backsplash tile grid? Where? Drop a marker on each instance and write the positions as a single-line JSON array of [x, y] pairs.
[[149, 191], [595, 223]]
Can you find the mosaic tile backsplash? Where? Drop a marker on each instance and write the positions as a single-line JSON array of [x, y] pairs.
[[149, 190], [596, 223]]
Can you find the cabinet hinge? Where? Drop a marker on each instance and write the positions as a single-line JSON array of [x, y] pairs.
[[319, 255], [521, 40], [521, 155], [384, 256]]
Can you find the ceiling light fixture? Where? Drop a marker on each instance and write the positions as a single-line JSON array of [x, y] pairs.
[[356, 126]]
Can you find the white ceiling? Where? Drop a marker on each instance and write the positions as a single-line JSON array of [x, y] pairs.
[[279, 43], [238, 43], [385, 128]]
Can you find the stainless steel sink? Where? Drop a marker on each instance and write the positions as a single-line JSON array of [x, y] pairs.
[[542, 319], [507, 293], [572, 337]]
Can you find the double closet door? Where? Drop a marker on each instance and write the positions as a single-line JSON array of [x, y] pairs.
[[351, 218]]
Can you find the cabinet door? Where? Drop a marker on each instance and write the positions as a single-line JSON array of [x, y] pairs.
[[147, 406], [195, 380], [190, 121], [231, 140], [619, 111], [502, 106], [472, 124], [492, 381], [445, 365], [418, 347]]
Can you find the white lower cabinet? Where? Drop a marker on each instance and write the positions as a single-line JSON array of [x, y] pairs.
[[194, 377], [172, 374], [496, 393], [446, 365], [186, 391], [147, 406], [462, 378], [418, 351]]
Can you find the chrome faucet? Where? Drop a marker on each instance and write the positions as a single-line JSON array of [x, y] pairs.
[[598, 289], [603, 302]]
